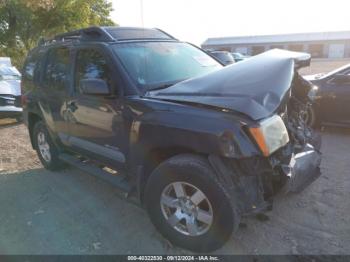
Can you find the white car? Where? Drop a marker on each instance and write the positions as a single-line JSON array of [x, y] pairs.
[[10, 91]]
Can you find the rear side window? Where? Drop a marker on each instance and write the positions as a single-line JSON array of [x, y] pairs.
[[32, 70], [91, 64], [28, 70], [30, 66], [57, 68]]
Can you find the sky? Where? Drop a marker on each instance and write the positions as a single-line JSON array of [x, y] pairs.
[[196, 20]]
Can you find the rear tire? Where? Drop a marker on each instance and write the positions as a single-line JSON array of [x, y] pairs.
[[47, 151], [188, 205]]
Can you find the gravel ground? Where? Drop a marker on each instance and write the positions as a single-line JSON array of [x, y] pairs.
[[68, 212]]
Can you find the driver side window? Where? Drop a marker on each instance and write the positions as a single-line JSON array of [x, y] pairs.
[[91, 64]]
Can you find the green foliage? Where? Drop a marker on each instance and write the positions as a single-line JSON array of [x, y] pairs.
[[24, 22]]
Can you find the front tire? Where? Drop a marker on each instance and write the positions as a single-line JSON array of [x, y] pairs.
[[47, 152], [188, 205]]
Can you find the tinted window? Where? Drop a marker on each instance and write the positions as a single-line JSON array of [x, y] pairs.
[[58, 68], [28, 70], [91, 64], [29, 66]]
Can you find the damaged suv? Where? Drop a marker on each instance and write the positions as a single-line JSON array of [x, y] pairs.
[[198, 144]]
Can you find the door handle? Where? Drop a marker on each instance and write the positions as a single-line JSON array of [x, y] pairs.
[[72, 106]]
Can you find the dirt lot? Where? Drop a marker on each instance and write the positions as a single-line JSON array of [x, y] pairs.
[[70, 212]]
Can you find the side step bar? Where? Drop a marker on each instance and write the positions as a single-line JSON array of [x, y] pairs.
[[117, 180]]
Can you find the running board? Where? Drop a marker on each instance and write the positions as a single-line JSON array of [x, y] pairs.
[[117, 180]]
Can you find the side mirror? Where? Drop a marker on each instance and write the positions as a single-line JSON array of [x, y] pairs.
[[342, 79], [94, 87]]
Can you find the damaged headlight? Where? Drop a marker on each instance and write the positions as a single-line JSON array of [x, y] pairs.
[[270, 135]]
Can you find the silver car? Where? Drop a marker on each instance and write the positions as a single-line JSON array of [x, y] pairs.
[[10, 92]]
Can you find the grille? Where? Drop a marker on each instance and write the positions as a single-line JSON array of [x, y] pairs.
[[10, 100]]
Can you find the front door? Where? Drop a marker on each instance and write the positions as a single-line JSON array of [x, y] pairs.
[[96, 126]]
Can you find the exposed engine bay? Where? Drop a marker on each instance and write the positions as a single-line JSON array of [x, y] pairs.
[[297, 109], [290, 169]]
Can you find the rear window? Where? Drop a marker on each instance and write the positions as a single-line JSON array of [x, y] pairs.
[[29, 66], [57, 68]]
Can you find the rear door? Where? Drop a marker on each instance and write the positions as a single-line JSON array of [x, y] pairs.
[[53, 92], [96, 124]]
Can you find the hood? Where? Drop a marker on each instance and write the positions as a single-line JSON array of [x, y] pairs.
[[254, 87], [10, 87]]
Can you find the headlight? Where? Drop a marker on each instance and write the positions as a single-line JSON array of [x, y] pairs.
[[270, 135]]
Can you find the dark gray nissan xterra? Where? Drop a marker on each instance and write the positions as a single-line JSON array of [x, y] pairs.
[[198, 144]]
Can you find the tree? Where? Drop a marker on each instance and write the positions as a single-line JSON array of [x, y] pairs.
[[24, 22]]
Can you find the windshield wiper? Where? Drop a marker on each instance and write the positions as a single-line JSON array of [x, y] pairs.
[[160, 87], [165, 85]]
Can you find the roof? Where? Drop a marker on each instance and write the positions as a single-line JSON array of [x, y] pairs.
[[262, 39]]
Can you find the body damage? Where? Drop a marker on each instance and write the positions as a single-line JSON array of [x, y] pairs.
[[255, 87], [160, 124], [207, 120]]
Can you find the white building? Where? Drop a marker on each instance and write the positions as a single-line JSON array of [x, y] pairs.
[[319, 45]]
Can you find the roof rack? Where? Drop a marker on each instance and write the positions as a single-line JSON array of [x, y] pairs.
[[109, 34], [86, 34], [91, 33]]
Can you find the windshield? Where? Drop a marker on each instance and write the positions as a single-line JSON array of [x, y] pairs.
[[9, 73], [155, 65], [10, 77]]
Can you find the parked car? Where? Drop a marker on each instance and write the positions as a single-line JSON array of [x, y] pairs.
[[223, 56], [198, 144], [10, 91], [332, 98], [239, 57]]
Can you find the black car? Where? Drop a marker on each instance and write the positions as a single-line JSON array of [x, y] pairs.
[[224, 57], [198, 144], [332, 98]]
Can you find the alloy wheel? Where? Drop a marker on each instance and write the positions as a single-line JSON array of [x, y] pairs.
[[44, 147], [186, 208]]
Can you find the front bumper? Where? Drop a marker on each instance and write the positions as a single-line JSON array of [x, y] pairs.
[[303, 169], [10, 111]]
